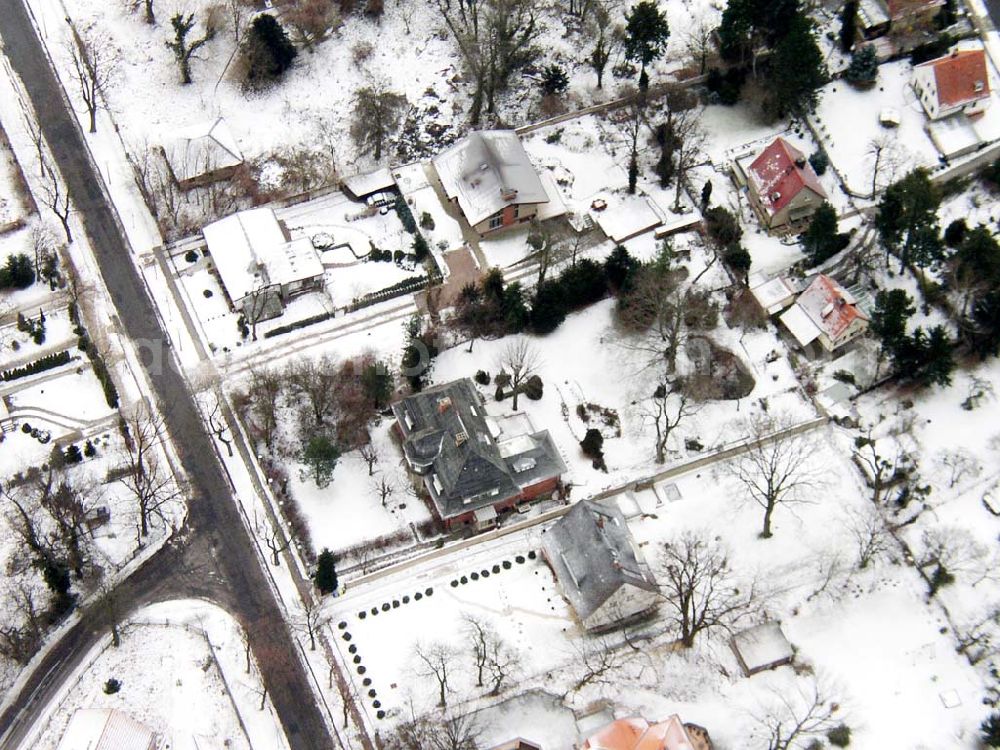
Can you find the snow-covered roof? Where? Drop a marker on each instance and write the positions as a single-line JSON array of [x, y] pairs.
[[202, 148], [250, 251], [762, 646], [593, 554], [486, 171], [773, 295], [780, 173], [824, 307], [105, 729], [360, 186], [636, 733]]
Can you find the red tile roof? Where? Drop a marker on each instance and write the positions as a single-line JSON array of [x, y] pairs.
[[638, 734], [829, 306], [780, 173], [961, 77]]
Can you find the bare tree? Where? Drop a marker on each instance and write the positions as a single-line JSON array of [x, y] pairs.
[[520, 359], [877, 468], [774, 469], [315, 381], [20, 636], [502, 662], [953, 550], [887, 157], [370, 456], [236, 11], [689, 142], [481, 635], [146, 6], [95, 65], [263, 394], [605, 42], [666, 409], [274, 537], [598, 662], [871, 537], [44, 248], [311, 20], [384, 486], [312, 619], [959, 464], [976, 636], [700, 589], [787, 718], [376, 115], [217, 421], [445, 732], [495, 38], [108, 606], [55, 196], [147, 478], [699, 42], [436, 660]]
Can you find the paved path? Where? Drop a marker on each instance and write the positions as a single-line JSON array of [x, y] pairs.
[[215, 542]]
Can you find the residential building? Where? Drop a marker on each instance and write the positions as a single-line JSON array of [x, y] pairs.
[[761, 647], [106, 729], [904, 17], [826, 313], [258, 263], [202, 154], [600, 569], [489, 176], [783, 187], [638, 734], [959, 82], [470, 474]]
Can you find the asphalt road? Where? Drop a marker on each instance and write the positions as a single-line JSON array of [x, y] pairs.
[[214, 556]]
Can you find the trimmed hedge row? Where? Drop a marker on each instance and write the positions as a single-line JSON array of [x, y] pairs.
[[298, 324], [47, 362]]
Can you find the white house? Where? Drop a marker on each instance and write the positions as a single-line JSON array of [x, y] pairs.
[[600, 569], [202, 153], [957, 82], [259, 265], [106, 729], [489, 176]]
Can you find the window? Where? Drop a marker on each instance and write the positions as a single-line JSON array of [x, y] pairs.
[[496, 221]]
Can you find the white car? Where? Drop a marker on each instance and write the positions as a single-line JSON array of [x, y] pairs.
[[992, 503]]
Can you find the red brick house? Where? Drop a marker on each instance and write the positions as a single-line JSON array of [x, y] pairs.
[[470, 475]]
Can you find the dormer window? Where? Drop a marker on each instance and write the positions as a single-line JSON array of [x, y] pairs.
[[979, 86]]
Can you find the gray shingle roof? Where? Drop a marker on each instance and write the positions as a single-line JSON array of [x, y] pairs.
[[445, 432], [484, 169], [593, 555]]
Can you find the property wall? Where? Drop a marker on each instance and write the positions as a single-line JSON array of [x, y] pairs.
[[541, 488]]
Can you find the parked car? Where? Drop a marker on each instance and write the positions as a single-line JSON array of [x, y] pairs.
[[992, 503]]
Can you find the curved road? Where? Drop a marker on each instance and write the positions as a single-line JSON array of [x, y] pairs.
[[215, 558]]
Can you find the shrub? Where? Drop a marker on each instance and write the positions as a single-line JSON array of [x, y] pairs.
[[191, 256], [533, 388], [548, 309], [863, 69], [17, 273], [405, 215], [496, 568], [593, 447], [112, 686], [840, 735], [39, 365], [267, 52], [989, 730], [519, 559], [737, 258], [73, 454], [426, 221], [420, 247], [722, 226], [819, 161], [482, 377], [955, 233], [844, 376], [554, 80], [727, 86]]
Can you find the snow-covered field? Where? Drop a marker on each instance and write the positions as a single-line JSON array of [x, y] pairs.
[[191, 655]]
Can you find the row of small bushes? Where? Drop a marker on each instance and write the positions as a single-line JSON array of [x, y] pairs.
[[96, 361], [47, 362], [288, 328]]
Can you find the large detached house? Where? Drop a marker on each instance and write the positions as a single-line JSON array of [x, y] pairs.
[[470, 474], [783, 188], [600, 569], [957, 82], [489, 176], [827, 313], [636, 733]]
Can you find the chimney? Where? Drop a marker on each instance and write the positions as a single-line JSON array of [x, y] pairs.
[[800, 163], [444, 404], [600, 522]]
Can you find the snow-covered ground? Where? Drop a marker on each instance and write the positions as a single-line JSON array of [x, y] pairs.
[[173, 657]]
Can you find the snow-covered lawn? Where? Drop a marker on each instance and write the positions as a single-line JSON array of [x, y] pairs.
[[11, 206], [350, 511], [173, 657]]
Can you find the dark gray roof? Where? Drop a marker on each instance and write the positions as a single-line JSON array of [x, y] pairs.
[[593, 555], [445, 431]]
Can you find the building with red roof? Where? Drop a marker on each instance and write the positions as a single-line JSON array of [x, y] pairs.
[[783, 188], [638, 734], [827, 313], [957, 82]]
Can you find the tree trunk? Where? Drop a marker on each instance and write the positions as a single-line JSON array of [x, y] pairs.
[[517, 391], [92, 111], [150, 16], [766, 532]]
